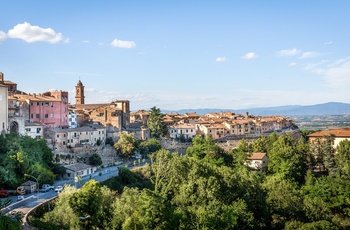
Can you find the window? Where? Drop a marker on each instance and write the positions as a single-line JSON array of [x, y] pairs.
[[51, 104], [28, 129], [58, 136], [37, 115], [38, 103], [46, 115], [64, 135], [38, 130], [31, 115], [46, 103], [51, 115]]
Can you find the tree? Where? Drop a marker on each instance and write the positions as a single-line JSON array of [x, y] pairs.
[[62, 214], [95, 160], [329, 155], [205, 148], [286, 160], [150, 146], [343, 159], [86, 203], [284, 200], [126, 144], [155, 123]]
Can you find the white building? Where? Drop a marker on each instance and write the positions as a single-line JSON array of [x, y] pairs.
[[186, 130], [78, 169], [3, 106], [257, 161], [34, 129], [72, 119]]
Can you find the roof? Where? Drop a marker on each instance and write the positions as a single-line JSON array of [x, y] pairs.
[[256, 156], [28, 183], [342, 132], [77, 167]]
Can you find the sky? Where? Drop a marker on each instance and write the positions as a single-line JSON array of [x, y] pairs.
[[183, 54]]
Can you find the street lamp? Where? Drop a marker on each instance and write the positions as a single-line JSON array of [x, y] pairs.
[[37, 189]]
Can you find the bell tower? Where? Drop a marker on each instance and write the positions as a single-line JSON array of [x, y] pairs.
[[79, 94]]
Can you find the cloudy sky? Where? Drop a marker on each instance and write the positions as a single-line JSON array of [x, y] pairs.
[[180, 54]]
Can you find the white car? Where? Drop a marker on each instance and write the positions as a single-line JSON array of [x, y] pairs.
[[59, 188], [20, 198]]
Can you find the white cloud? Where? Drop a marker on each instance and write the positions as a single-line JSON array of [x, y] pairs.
[[288, 53], [100, 43], [309, 54], [123, 44], [338, 76], [292, 64], [328, 43], [3, 36], [30, 33], [336, 73], [86, 41], [250, 55], [221, 59]]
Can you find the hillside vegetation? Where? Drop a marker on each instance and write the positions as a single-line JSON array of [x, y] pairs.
[[209, 188]]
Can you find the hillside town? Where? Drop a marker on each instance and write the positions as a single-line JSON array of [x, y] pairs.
[[73, 127]]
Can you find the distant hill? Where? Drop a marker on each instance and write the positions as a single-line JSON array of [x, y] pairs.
[[330, 108]]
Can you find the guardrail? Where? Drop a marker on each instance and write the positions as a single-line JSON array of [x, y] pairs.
[[15, 205]]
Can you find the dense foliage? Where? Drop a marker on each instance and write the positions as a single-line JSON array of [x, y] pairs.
[[155, 123], [126, 145], [211, 189], [21, 155]]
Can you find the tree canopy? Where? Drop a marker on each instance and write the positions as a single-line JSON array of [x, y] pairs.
[[156, 124]]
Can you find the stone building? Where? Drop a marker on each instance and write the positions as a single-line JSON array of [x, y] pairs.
[[3, 105], [116, 113]]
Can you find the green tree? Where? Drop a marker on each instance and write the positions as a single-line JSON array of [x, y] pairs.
[[205, 148], [43, 175], [126, 144], [329, 155], [286, 159], [95, 160], [283, 199], [86, 203], [155, 123], [62, 214], [343, 159]]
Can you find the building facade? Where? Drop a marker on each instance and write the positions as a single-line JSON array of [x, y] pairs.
[[3, 106]]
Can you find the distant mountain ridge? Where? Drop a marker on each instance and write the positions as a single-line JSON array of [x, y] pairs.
[[330, 108]]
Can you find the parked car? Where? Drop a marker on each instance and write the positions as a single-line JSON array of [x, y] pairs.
[[4, 193], [19, 198], [48, 187], [59, 188], [44, 189]]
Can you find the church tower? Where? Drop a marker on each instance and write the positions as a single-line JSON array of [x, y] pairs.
[[79, 94]]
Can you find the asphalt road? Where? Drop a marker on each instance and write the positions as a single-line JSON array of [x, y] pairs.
[[31, 200]]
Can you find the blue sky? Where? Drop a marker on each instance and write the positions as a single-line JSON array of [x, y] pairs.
[[180, 54]]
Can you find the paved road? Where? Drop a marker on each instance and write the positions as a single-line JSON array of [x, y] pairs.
[[31, 200]]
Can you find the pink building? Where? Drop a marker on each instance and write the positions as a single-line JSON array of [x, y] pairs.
[[50, 108]]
